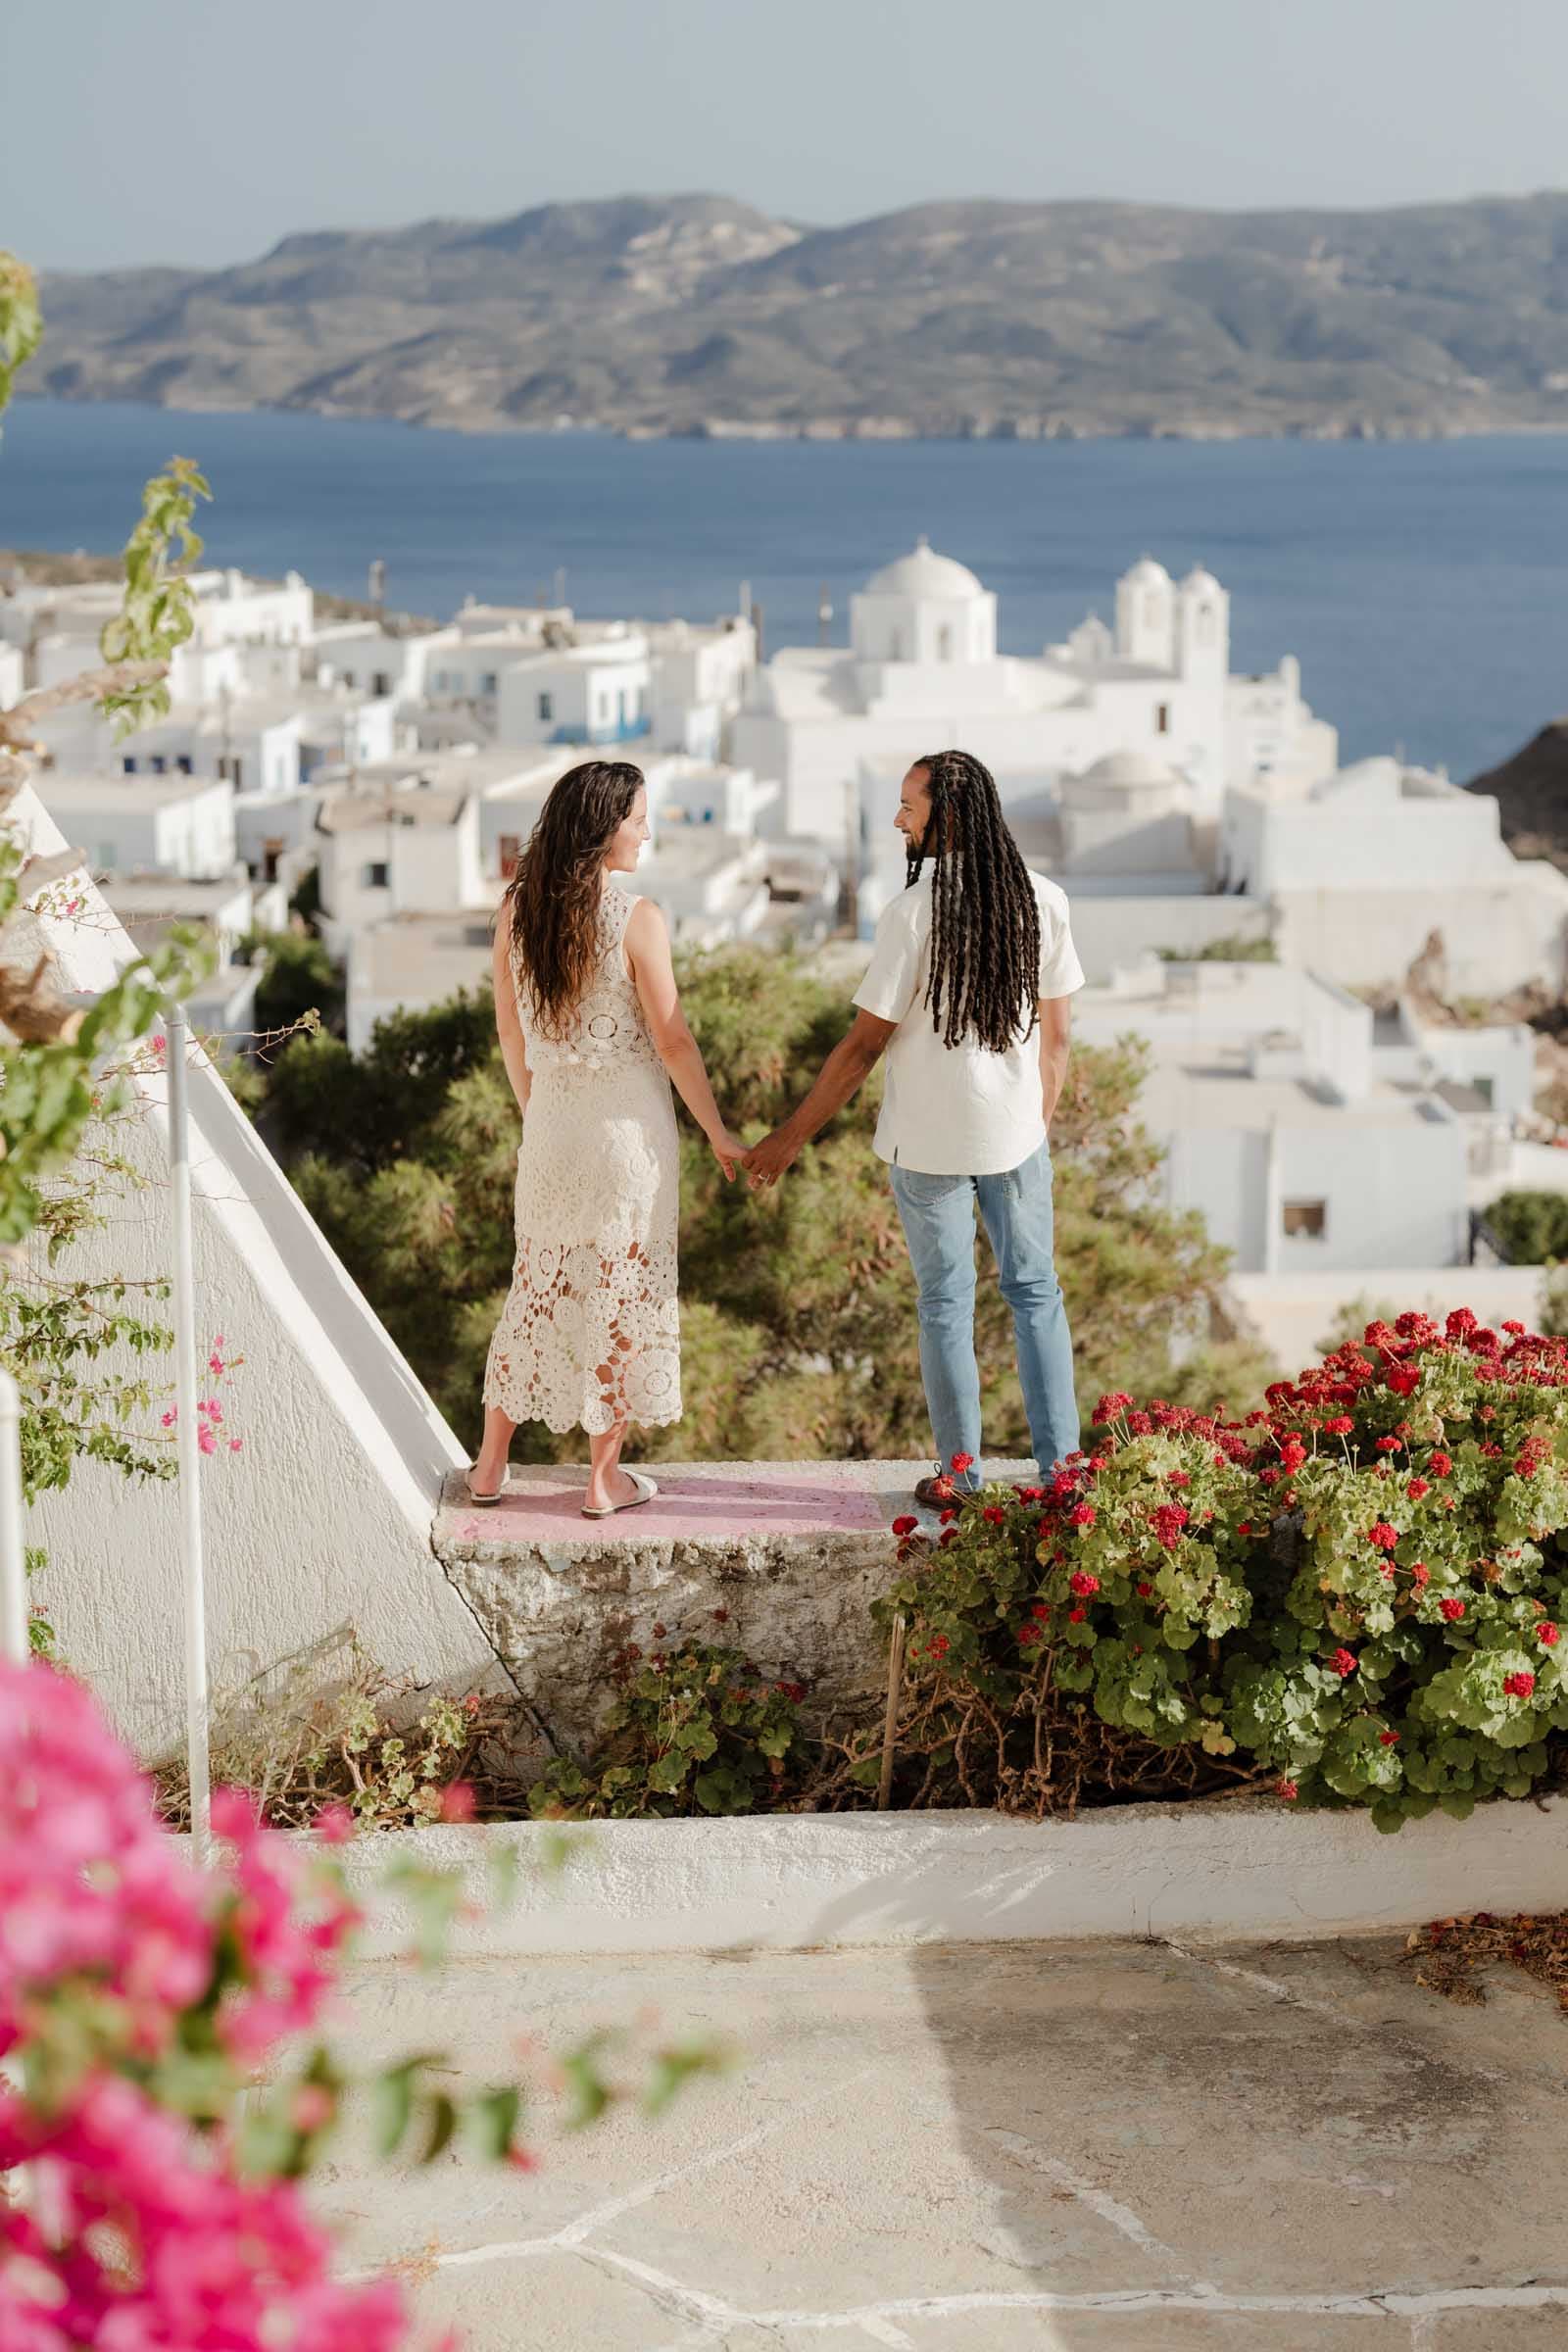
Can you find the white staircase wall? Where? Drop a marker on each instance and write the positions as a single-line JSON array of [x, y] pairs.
[[323, 1518]]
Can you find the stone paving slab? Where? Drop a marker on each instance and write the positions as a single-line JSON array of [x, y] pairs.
[[1085, 2148]]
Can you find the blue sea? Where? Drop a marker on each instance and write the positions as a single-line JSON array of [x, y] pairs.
[[1422, 584]]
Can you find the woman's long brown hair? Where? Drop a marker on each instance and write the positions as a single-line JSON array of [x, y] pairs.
[[554, 894]]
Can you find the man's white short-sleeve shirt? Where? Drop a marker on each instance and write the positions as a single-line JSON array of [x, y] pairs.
[[957, 1110]]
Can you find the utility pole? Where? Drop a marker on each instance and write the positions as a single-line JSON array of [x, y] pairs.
[[756, 625], [378, 586], [824, 614]]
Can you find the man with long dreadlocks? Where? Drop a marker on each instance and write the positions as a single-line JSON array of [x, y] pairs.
[[968, 994]]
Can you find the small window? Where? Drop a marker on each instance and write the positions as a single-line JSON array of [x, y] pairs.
[[546, 709], [158, 763], [377, 874], [382, 682], [348, 678], [488, 681], [183, 763], [128, 766], [440, 681], [1162, 718], [1305, 1220]]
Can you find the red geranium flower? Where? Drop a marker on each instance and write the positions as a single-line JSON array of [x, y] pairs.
[[1081, 1581], [1440, 1465], [963, 1461], [1388, 1738], [1519, 1685], [1383, 1536], [1547, 1633], [905, 1526], [1288, 1790], [1452, 1609], [994, 1515], [1344, 1663]]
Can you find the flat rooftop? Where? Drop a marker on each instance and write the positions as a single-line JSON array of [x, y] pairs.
[[75, 791], [1201, 1090], [422, 957], [365, 812], [173, 898]]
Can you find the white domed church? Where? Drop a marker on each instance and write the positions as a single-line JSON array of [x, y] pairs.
[[1124, 735]]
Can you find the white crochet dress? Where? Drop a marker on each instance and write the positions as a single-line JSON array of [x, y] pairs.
[[590, 1334]]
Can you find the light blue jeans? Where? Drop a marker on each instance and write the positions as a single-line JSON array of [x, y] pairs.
[[938, 1213]]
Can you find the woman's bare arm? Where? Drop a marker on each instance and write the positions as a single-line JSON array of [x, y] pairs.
[[653, 975], [509, 1028]]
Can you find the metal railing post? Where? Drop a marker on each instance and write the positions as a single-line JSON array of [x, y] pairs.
[[198, 1767], [14, 1609]]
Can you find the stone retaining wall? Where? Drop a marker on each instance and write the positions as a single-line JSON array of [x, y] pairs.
[[779, 1559]]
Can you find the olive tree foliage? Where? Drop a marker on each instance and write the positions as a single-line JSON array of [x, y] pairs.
[[81, 1349], [797, 1304]]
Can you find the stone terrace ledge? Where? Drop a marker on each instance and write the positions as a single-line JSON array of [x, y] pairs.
[[792, 1552]]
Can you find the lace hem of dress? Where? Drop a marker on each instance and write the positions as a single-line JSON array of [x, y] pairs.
[[576, 1355]]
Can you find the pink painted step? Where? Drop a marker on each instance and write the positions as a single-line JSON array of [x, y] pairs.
[[697, 1501]]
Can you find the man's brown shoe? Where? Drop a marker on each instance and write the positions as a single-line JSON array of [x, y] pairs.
[[937, 1493]]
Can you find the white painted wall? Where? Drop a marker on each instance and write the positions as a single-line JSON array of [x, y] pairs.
[[324, 1516], [192, 836], [1240, 1868]]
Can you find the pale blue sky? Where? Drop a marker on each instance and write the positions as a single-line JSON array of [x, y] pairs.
[[203, 130]]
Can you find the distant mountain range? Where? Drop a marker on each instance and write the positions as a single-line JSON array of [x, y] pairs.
[[696, 314]]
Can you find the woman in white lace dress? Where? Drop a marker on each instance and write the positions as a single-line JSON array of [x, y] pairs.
[[592, 1033]]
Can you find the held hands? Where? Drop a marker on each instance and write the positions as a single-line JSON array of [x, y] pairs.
[[730, 1152], [767, 1160]]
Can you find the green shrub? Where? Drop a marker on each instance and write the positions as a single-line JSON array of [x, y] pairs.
[[1355, 1594], [697, 1729], [1530, 1227]]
